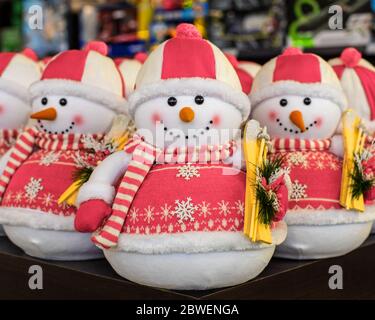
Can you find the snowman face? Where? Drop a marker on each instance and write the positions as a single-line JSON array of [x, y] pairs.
[[301, 117], [67, 114], [187, 120], [14, 112]]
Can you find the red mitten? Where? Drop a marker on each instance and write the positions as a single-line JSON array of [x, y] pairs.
[[91, 215]]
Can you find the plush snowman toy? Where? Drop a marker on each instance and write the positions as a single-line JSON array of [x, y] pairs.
[[74, 105], [17, 72], [357, 77], [178, 223], [299, 98]]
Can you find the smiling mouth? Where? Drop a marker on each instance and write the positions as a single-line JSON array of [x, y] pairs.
[[286, 129], [67, 130], [194, 136]]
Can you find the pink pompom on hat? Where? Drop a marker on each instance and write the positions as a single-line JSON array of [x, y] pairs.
[[86, 73], [188, 65], [129, 69], [18, 71], [246, 71], [357, 78], [297, 73]]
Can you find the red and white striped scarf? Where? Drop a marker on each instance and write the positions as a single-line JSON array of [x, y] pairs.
[[31, 138], [7, 138], [144, 156], [286, 144]]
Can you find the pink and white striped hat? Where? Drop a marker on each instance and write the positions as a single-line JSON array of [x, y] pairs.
[[86, 73], [188, 65], [246, 71], [297, 73], [129, 69], [357, 78], [18, 71]]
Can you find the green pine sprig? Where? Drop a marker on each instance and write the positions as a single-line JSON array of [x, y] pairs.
[[360, 184], [82, 174]]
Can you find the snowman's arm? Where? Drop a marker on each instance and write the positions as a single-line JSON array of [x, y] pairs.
[[4, 160], [337, 145], [103, 179]]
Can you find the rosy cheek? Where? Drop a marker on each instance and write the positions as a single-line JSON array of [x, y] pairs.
[[155, 118], [2, 109], [318, 122], [216, 120], [272, 115], [78, 120]]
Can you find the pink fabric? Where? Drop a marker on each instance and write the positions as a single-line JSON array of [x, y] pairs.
[[339, 70], [186, 58], [5, 59], [315, 176], [7, 139], [68, 65], [245, 79], [367, 78], [91, 214], [217, 199], [303, 68]]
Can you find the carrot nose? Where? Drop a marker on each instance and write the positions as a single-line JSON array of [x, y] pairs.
[[45, 114], [187, 114], [297, 118]]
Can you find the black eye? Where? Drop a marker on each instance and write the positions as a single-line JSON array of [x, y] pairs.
[[199, 100], [172, 101], [63, 102], [283, 102], [307, 101], [44, 101]]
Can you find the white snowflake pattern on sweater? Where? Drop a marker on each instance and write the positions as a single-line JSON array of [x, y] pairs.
[[188, 171], [50, 158], [184, 210], [298, 190], [33, 187]]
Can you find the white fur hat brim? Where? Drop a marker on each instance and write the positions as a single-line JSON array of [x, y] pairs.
[[14, 89], [289, 87], [190, 87], [78, 89]]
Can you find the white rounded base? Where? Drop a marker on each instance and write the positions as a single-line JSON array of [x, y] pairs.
[[52, 244], [323, 241], [190, 271], [2, 232]]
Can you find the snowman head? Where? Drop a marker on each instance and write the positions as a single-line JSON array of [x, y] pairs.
[[80, 92], [304, 102], [357, 77], [187, 93], [17, 72]]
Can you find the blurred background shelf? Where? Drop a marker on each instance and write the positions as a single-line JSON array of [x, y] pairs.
[[252, 29], [282, 279]]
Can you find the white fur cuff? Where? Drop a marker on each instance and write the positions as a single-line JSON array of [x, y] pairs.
[[92, 191]]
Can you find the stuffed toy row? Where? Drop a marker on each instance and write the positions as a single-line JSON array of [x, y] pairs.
[[187, 168]]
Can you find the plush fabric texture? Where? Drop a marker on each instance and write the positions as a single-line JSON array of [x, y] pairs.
[[37, 161], [7, 139], [17, 72], [313, 77], [143, 157], [315, 174], [96, 211], [188, 64], [86, 73], [96, 191], [190, 87], [357, 79], [129, 69], [196, 241]]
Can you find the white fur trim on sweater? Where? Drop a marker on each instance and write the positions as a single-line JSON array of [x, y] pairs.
[[328, 217], [290, 87], [195, 242], [14, 89], [190, 87], [92, 191], [35, 219], [78, 89]]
